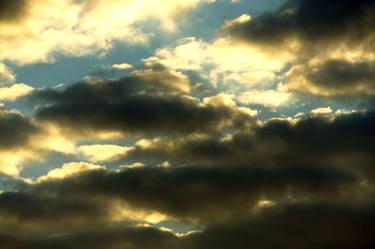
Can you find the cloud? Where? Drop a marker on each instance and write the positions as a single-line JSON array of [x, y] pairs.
[[102, 152], [15, 130], [334, 78], [330, 44], [222, 61], [105, 237], [7, 77], [69, 169], [204, 194], [337, 141], [269, 98], [14, 92], [83, 197], [306, 225], [320, 224], [12, 10], [311, 22], [32, 31], [134, 105], [122, 66], [322, 111], [182, 154], [62, 210]]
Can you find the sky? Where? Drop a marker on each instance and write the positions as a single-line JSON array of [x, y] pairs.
[[200, 124]]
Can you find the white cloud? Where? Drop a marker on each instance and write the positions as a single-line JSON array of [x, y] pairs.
[[14, 92], [223, 61], [122, 66], [69, 169], [6, 76], [322, 111], [103, 152], [82, 27], [269, 98]]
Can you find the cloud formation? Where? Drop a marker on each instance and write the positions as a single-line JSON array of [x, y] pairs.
[[321, 224], [30, 29], [172, 155], [319, 141], [136, 105], [332, 43]]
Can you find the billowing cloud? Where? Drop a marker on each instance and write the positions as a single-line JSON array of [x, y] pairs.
[[313, 23], [106, 237], [14, 92], [223, 61], [7, 77], [334, 78], [16, 133], [15, 130], [32, 31], [103, 152], [9, 89], [12, 10], [319, 141], [191, 194], [135, 105], [82, 201], [269, 98], [332, 43], [172, 155], [319, 224]]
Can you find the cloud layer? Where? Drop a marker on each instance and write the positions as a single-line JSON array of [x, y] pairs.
[[198, 145]]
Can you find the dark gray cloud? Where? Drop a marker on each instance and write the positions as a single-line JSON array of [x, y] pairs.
[[316, 141], [108, 237], [336, 73], [133, 105], [311, 21], [20, 209], [15, 130], [304, 225], [335, 78], [187, 193], [12, 10]]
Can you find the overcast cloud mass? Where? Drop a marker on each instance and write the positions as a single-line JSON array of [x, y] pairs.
[[203, 124]]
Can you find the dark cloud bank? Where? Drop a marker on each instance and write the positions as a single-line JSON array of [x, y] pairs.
[[135, 106], [48, 213]]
